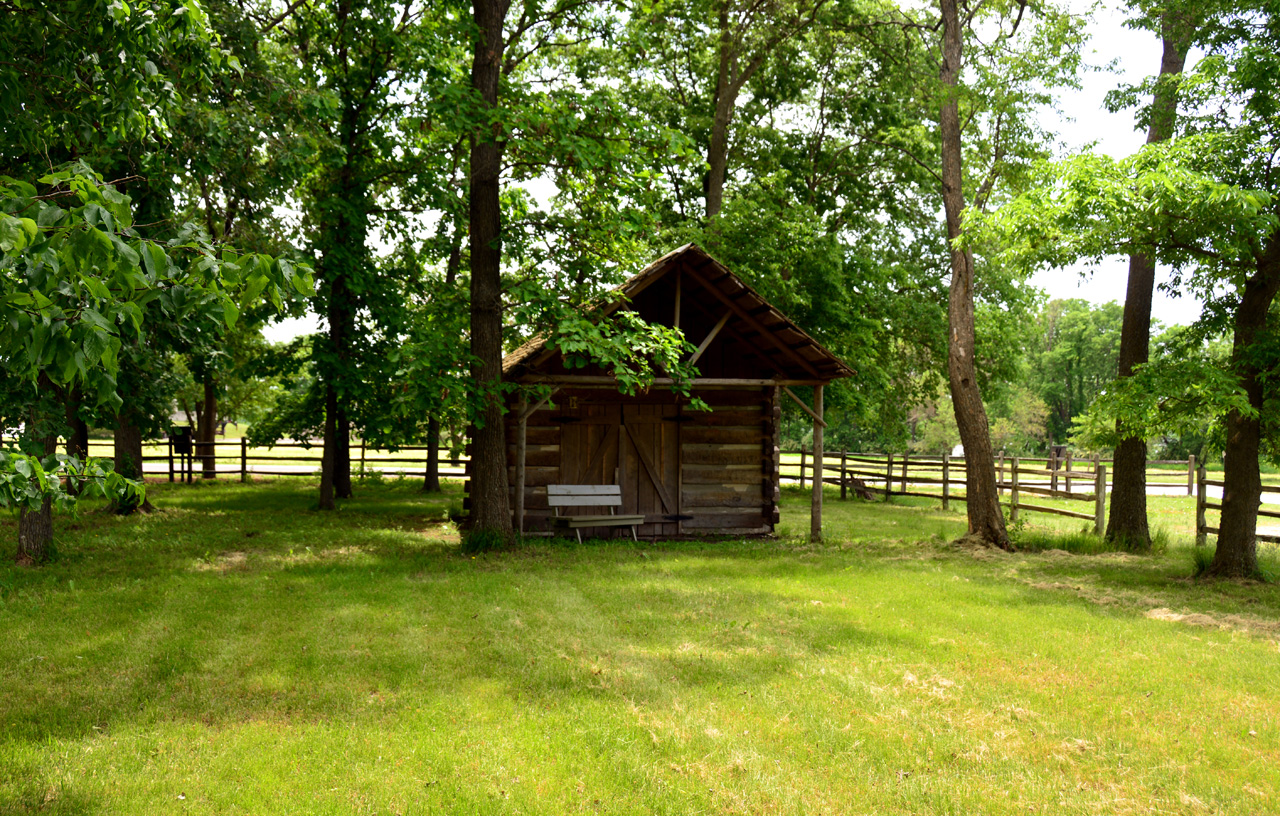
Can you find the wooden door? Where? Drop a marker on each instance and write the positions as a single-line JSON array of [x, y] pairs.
[[649, 466], [590, 437]]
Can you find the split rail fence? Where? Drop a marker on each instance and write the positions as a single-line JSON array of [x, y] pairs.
[[232, 458], [1203, 505], [933, 477]]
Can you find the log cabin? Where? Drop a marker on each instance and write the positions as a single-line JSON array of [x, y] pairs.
[[689, 472]]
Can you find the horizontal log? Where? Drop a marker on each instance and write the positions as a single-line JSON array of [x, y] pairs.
[[725, 417], [736, 519], [536, 476], [720, 496], [723, 455], [1272, 539], [732, 435], [665, 382], [748, 474], [1055, 511]]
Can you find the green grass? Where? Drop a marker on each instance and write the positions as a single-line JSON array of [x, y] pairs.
[[241, 653]]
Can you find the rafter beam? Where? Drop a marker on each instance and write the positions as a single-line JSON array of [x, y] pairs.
[[755, 324]]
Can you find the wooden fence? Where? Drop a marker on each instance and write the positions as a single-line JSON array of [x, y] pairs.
[[234, 457], [1203, 530], [913, 475]]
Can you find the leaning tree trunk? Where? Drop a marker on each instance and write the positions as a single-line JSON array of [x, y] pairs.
[[1128, 521], [722, 116], [986, 520], [1236, 555], [207, 430], [490, 508]]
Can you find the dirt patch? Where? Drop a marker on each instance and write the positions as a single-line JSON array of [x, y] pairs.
[[235, 561]]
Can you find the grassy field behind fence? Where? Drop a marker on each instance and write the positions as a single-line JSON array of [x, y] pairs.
[[239, 652]]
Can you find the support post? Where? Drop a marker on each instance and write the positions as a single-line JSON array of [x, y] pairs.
[[844, 481], [363, 448], [1053, 470], [1000, 475], [888, 477], [1068, 473], [905, 456], [946, 480], [1191, 475], [522, 433], [170, 441], [1013, 492], [802, 467], [1202, 496], [815, 515], [244, 460], [1100, 501]]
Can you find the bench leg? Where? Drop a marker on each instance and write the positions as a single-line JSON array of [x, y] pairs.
[[633, 534], [579, 534]]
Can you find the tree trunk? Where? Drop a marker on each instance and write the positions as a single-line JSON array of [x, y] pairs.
[[1236, 555], [128, 448], [335, 463], [206, 431], [330, 446], [342, 455], [986, 521], [1128, 521], [722, 116], [77, 434], [490, 508], [431, 480], [128, 456], [35, 527]]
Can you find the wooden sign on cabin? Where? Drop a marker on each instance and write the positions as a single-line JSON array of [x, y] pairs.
[[687, 472]]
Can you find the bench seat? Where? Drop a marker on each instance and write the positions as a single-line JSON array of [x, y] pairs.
[[609, 496]]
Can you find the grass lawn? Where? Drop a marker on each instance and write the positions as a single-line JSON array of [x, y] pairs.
[[240, 653]]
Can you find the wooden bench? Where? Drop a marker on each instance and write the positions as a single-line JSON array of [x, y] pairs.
[[590, 496]]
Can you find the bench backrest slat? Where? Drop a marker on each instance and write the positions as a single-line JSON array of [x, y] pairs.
[[584, 496]]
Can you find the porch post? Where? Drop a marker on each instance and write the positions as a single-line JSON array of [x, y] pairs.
[[815, 515], [522, 427]]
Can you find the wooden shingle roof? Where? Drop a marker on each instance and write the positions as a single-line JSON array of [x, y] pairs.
[[788, 349]]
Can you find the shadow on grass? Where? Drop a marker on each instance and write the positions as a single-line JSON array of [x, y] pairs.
[[238, 603]]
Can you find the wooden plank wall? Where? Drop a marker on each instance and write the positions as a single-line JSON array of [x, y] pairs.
[[728, 460]]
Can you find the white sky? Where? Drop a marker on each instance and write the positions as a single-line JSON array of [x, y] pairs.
[[1137, 55]]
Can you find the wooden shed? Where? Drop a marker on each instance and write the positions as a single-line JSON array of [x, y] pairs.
[[688, 472]]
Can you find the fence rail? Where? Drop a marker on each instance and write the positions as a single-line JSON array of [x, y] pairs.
[[898, 474], [234, 457]]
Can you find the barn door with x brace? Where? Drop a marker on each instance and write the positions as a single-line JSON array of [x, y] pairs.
[[649, 466]]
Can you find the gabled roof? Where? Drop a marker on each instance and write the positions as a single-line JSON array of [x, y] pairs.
[[791, 351]]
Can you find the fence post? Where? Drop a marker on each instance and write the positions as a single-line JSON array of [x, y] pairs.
[[1053, 470], [844, 481], [363, 448], [802, 467], [1013, 492], [946, 480], [1069, 458], [1000, 476], [904, 471], [244, 459], [1100, 500], [888, 477], [1202, 496], [1191, 475], [170, 441]]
